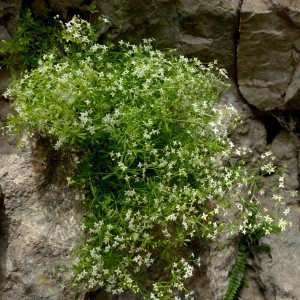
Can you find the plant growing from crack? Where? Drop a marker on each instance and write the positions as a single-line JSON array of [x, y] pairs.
[[250, 240], [153, 156]]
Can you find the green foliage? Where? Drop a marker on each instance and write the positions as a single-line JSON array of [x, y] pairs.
[[250, 244], [34, 37], [93, 9], [152, 155], [238, 273]]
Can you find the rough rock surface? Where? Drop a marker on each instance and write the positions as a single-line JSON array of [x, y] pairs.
[[258, 42], [39, 223], [279, 272], [39, 226], [39, 220], [268, 53], [9, 15], [205, 29], [274, 275]]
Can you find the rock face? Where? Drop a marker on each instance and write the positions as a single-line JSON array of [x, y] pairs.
[[278, 272], [208, 30], [268, 53], [9, 16], [39, 226], [258, 42], [205, 29]]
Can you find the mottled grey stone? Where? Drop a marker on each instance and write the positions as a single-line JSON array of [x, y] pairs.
[[40, 222], [267, 70]]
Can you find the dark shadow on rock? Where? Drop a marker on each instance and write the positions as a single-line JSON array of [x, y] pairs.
[[101, 295], [3, 241]]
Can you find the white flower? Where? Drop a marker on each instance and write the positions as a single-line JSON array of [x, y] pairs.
[[281, 182], [95, 47], [277, 197], [204, 216], [282, 224], [91, 130], [286, 211], [122, 166]]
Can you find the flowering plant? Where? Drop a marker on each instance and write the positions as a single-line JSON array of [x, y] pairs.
[[155, 158]]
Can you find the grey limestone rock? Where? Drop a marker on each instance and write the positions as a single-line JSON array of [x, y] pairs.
[[267, 54], [258, 42]]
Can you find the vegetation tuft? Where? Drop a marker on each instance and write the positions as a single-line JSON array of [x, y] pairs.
[[152, 153]]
